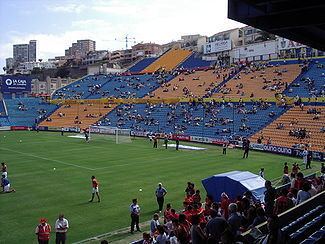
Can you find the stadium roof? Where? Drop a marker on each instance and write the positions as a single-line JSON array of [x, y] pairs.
[[300, 21]]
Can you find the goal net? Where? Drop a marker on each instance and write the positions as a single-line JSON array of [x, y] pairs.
[[113, 133]]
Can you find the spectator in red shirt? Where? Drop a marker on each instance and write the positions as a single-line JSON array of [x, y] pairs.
[[282, 203], [196, 197], [299, 181], [167, 213]]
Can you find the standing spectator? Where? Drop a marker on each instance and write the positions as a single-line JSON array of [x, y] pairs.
[[177, 143], [322, 169], [135, 214], [43, 231], [269, 197], [196, 197], [167, 213], [198, 236], [190, 189], [160, 194], [309, 158], [155, 141], [285, 168], [295, 168], [224, 205], [62, 131], [166, 141], [5, 184], [95, 185], [246, 144], [224, 148], [61, 228], [282, 203], [261, 173], [4, 169], [305, 155]]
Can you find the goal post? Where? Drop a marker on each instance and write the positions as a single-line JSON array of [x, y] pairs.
[[109, 132]]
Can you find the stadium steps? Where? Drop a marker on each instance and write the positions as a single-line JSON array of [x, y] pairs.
[[75, 113], [197, 83], [253, 82], [168, 61], [281, 137]]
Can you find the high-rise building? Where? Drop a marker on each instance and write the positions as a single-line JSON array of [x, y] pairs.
[[24, 52], [20, 53], [80, 48], [32, 51]]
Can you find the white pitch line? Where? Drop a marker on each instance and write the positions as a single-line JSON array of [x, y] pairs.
[[48, 159]]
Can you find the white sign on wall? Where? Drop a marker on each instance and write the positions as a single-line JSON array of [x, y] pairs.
[[284, 44], [217, 46], [254, 50]]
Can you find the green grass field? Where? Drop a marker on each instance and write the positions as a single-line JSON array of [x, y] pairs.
[[121, 170]]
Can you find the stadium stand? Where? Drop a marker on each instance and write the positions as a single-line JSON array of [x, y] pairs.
[[77, 115], [168, 61], [191, 84], [4, 121], [113, 86], [311, 82], [129, 86], [297, 128], [27, 111], [259, 81], [141, 65], [194, 62], [210, 120], [82, 88]]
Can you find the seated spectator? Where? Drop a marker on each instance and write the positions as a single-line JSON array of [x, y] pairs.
[[234, 220], [282, 203], [303, 194], [198, 236], [162, 237], [259, 219], [154, 224]]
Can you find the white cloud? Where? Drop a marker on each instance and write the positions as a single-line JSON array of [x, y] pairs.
[[107, 22], [67, 8]]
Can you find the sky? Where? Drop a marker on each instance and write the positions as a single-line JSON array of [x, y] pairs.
[[55, 24]]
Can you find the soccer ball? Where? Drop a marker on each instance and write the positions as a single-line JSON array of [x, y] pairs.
[[54, 168], [140, 189], [20, 141]]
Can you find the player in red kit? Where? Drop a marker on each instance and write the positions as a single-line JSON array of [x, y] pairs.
[[95, 185]]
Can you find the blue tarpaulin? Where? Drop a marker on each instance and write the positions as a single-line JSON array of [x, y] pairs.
[[234, 183]]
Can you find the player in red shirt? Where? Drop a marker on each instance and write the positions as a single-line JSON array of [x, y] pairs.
[[95, 185]]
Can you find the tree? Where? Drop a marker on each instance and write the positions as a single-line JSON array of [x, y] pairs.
[[62, 72]]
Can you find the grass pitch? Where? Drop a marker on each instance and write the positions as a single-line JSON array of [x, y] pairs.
[[121, 171]]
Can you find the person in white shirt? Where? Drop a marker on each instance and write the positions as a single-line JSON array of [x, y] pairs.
[[135, 213], [154, 224], [261, 173], [61, 228]]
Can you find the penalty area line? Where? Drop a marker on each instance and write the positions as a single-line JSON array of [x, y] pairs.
[[47, 159]]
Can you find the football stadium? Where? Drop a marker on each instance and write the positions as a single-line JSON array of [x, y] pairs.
[[220, 142]]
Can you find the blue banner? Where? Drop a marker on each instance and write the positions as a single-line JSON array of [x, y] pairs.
[[10, 83]]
